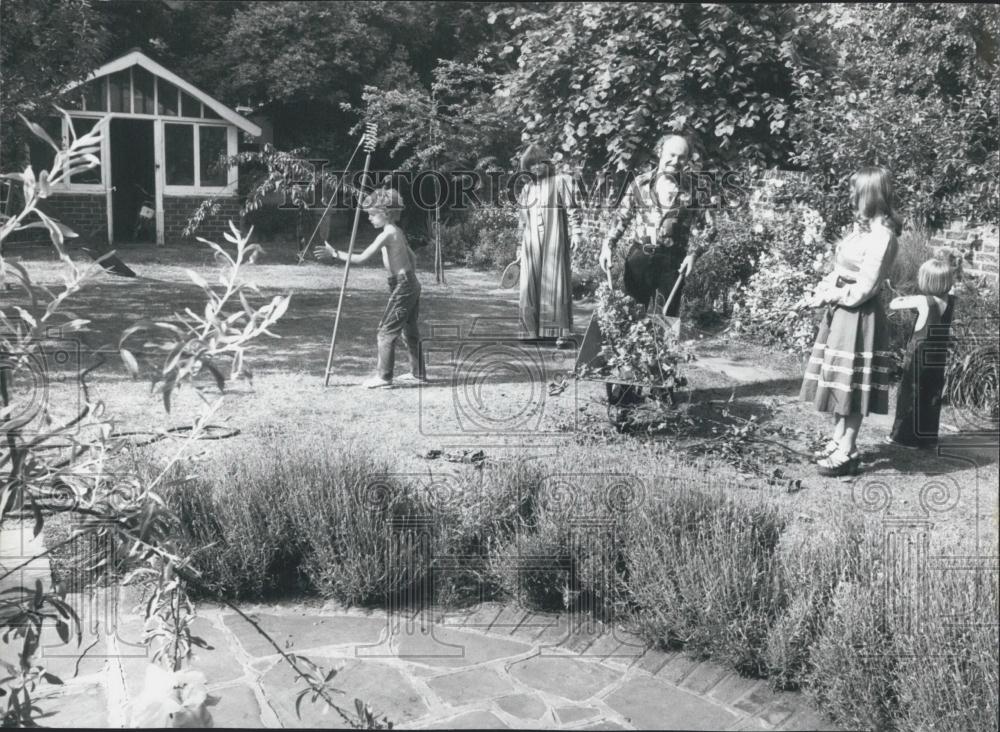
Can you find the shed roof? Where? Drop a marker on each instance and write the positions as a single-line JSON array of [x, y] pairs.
[[136, 57]]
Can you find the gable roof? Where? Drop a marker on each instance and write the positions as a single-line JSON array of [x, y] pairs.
[[138, 58]]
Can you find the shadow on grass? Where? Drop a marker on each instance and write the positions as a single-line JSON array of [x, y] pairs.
[[953, 454], [305, 330]]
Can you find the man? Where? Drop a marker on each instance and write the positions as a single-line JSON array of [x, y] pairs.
[[657, 214]]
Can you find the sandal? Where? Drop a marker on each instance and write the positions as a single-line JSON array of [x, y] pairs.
[[831, 447], [839, 464]]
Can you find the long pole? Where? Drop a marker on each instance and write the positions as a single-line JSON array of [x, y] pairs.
[[369, 146], [333, 197]]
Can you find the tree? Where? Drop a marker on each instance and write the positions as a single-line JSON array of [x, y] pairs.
[[601, 82], [913, 87], [299, 61], [47, 44]]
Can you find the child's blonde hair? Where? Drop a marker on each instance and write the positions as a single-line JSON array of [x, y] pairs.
[[386, 201], [935, 277]]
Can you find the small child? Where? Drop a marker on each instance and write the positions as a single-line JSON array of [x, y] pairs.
[[400, 317], [918, 404]]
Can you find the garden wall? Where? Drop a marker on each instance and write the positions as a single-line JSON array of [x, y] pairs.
[[978, 242]]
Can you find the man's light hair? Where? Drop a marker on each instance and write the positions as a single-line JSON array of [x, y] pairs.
[[673, 135]]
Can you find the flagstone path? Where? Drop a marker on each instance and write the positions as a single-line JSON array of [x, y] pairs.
[[494, 667]]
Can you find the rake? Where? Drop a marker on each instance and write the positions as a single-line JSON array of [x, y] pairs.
[[371, 130]]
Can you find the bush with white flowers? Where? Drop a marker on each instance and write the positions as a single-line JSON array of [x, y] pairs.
[[769, 307]]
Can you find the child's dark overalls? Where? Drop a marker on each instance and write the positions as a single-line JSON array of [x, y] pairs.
[[918, 403]]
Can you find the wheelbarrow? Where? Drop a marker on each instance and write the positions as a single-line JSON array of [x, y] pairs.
[[624, 395]]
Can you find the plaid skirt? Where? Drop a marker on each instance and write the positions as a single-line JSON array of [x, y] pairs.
[[850, 364]]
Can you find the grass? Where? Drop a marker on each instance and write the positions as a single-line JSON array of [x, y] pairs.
[[764, 579]]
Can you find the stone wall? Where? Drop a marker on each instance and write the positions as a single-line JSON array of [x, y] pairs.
[[977, 242]]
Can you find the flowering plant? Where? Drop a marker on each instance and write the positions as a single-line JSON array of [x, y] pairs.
[[770, 308]]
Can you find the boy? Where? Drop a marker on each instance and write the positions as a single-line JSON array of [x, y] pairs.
[[400, 318]]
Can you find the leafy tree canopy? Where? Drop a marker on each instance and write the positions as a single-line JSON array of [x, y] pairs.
[[601, 82], [46, 45], [913, 87]]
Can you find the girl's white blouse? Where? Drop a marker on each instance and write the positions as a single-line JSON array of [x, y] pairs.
[[864, 258]]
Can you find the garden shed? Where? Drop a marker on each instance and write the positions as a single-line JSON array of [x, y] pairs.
[[161, 152]]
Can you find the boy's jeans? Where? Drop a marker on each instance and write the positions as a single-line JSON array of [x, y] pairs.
[[400, 318]]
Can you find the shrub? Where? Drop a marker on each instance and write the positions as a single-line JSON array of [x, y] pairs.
[[251, 547], [810, 607], [568, 553], [497, 237], [360, 525], [728, 263], [296, 518], [898, 652], [812, 564], [534, 570], [972, 379], [947, 668], [703, 573], [767, 308], [852, 661], [477, 514], [485, 237]]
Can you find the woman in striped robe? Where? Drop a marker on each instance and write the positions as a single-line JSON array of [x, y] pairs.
[[550, 224], [848, 370]]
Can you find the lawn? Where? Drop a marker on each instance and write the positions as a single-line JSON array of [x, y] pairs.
[[488, 392]]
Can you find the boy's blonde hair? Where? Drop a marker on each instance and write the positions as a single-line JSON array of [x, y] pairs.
[[386, 201], [935, 277]]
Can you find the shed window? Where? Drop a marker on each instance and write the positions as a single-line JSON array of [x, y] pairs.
[[211, 147], [142, 91], [95, 95], [167, 97], [82, 126], [178, 141], [190, 107], [121, 93]]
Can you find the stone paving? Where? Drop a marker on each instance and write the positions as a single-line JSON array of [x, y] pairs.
[[494, 667]]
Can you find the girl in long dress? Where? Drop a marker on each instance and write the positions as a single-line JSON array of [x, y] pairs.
[[550, 224], [848, 371]]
